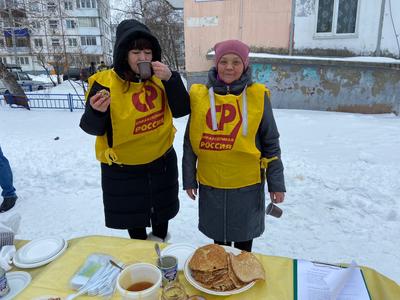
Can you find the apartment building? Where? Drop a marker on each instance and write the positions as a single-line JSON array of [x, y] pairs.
[[60, 34]]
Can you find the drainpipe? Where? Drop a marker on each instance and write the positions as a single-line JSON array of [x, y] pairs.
[[378, 42], [291, 32], [241, 20]]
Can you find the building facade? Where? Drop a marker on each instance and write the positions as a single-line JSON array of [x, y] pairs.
[[347, 27], [57, 34], [259, 23]]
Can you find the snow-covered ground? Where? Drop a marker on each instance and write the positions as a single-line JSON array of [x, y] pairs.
[[342, 175]]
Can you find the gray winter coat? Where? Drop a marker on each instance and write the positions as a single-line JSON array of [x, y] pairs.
[[235, 215]]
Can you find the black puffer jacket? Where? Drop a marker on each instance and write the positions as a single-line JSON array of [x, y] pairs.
[[137, 195]]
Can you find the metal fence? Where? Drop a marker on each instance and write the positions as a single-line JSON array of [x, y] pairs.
[[51, 101]]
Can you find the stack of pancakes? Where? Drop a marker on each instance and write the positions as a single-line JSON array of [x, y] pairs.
[[218, 270]]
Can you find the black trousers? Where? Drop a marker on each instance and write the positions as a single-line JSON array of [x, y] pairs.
[[159, 230], [246, 245]]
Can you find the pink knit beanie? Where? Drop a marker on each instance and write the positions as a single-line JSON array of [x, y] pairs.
[[232, 46]]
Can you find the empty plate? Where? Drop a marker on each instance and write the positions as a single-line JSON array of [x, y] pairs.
[[18, 263], [17, 281], [181, 251], [40, 249]]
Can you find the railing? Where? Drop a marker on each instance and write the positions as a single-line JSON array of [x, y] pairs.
[[51, 101]]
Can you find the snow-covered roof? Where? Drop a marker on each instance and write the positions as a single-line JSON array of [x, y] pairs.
[[364, 59], [178, 4]]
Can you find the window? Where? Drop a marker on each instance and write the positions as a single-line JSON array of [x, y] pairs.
[[337, 17], [38, 42], [86, 4], [68, 5], [21, 42], [87, 22], [36, 24], [55, 42], [3, 59], [71, 24], [51, 6], [34, 6], [2, 4], [72, 42], [88, 40], [22, 60], [53, 24], [2, 43]]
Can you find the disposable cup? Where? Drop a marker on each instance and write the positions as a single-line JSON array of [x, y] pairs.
[[273, 210], [144, 69], [136, 274], [168, 266]]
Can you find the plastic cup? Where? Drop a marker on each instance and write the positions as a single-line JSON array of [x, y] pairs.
[[168, 267], [136, 274], [273, 210], [144, 69]]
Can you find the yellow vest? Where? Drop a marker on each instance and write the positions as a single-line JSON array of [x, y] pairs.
[[141, 121], [226, 158]]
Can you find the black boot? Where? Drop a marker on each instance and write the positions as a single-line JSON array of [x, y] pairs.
[[8, 203]]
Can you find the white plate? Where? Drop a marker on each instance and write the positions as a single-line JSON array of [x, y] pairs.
[[181, 251], [22, 265], [47, 297], [17, 281], [40, 249], [198, 286]]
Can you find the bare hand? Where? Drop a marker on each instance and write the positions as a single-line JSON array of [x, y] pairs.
[[161, 71], [192, 193], [277, 197], [100, 101]]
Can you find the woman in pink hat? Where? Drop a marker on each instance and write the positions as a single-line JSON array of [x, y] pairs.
[[231, 148]]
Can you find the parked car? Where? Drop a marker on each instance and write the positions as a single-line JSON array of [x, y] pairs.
[[24, 80]]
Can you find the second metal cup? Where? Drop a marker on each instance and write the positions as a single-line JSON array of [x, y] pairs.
[[273, 210]]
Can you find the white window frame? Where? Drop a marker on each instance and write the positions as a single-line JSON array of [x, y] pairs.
[[51, 6], [38, 42], [86, 38], [55, 42], [23, 60], [71, 24], [333, 34], [72, 42], [68, 5], [52, 23], [36, 24]]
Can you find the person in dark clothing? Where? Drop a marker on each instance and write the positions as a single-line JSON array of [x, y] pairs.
[[102, 66], [231, 145], [92, 68], [132, 119], [6, 183]]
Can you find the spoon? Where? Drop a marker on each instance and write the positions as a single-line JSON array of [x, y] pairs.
[[157, 247], [116, 265]]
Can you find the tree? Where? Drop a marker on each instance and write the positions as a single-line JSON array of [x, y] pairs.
[[14, 89], [164, 22]]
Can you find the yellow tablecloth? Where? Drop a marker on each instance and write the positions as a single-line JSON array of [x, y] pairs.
[[53, 279]]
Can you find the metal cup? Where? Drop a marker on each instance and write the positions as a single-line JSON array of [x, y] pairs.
[[273, 210], [168, 266], [144, 69]]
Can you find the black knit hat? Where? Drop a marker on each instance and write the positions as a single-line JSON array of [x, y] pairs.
[[127, 31]]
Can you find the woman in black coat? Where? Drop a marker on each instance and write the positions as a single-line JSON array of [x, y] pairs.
[[132, 119]]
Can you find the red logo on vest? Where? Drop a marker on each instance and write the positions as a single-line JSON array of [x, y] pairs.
[[221, 142], [151, 121]]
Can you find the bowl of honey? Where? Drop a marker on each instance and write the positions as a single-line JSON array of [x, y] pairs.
[[139, 281]]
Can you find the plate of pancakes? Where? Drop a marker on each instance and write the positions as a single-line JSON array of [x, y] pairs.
[[222, 270]]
